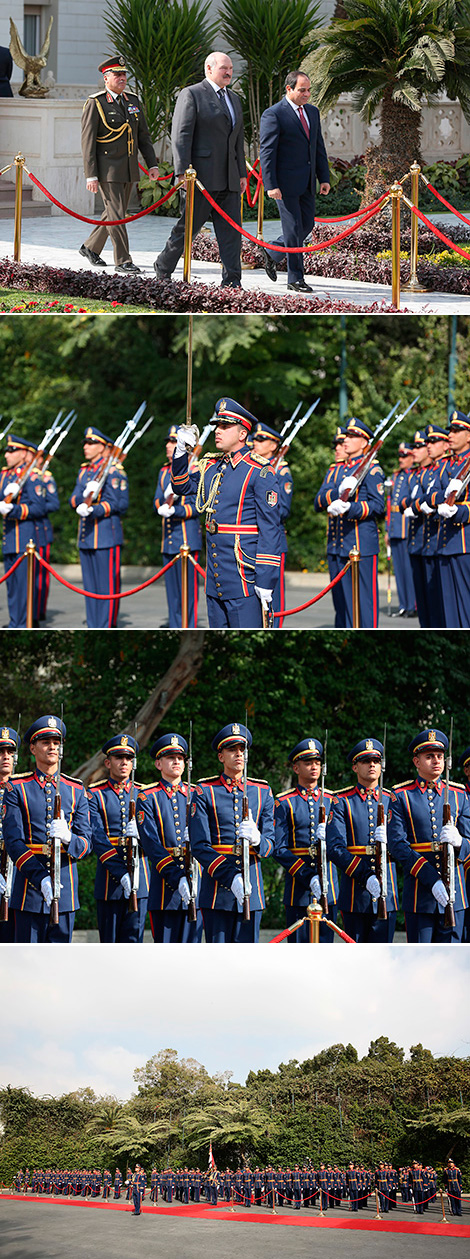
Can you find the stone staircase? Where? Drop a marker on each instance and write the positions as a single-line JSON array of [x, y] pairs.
[[30, 208]]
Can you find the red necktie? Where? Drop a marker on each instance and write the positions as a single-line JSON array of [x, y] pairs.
[[304, 122]]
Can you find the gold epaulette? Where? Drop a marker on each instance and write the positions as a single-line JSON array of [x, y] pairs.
[[258, 458], [340, 791], [100, 783], [409, 783], [68, 779]]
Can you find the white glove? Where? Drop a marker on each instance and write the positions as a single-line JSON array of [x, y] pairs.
[[440, 893], [186, 835], [444, 509], [165, 510], [337, 507], [408, 512], [91, 487], [83, 509], [237, 888], [46, 889], [186, 436], [414, 491], [348, 483], [428, 511], [373, 886], [132, 829], [169, 491], [381, 834], [5, 508], [450, 835], [60, 830], [315, 887], [454, 486], [321, 831], [2, 885], [183, 888], [249, 830], [126, 885], [265, 596], [13, 489]]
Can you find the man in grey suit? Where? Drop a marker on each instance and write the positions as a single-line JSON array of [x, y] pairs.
[[207, 133]]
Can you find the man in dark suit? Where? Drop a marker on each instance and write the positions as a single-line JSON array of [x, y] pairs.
[[6, 69], [293, 157], [207, 133]]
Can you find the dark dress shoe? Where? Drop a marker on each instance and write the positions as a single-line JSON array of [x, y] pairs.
[[128, 268], [269, 265], [160, 273], [299, 286], [95, 259]]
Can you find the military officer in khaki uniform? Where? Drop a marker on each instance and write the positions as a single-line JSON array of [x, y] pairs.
[[114, 129]]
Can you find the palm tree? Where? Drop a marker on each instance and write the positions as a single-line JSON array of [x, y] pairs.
[[237, 1125], [394, 55], [106, 1118]]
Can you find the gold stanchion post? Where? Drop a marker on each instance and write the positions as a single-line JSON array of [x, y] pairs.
[[378, 1216], [413, 285], [396, 194], [259, 231], [19, 163], [444, 1217], [314, 916], [190, 176], [30, 555], [356, 607], [184, 552]]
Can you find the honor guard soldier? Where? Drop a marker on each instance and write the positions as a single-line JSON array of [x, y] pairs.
[[107, 1182], [327, 493], [20, 514], [180, 527], [296, 835], [135, 1187], [112, 832], [114, 129], [238, 491], [464, 762], [397, 531], [415, 833], [117, 1183], [45, 537], [437, 443], [352, 834], [266, 442], [29, 831], [9, 744], [218, 834], [452, 1179], [100, 535], [415, 519], [161, 818], [453, 540], [358, 523]]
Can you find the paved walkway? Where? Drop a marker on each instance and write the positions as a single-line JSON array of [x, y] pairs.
[[56, 240]]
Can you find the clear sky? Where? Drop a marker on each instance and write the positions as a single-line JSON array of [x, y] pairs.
[[89, 1015]]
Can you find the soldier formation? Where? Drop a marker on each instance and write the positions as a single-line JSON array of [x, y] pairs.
[[192, 855]]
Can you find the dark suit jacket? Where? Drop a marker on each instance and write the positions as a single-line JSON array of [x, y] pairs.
[[201, 136], [6, 68], [289, 160]]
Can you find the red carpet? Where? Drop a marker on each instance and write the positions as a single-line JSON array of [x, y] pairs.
[[432, 1228]]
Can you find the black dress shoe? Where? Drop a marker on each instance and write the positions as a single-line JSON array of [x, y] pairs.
[[95, 259], [299, 286], [401, 612], [128, 268], [160, 273], [269, 265]]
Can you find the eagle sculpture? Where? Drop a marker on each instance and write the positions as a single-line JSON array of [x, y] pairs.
[[31, 66]]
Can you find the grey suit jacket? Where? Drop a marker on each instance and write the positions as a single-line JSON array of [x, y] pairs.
[[202, 136]]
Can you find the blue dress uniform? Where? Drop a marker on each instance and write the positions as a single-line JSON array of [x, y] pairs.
[[452, 1178], [109, 815], [117, 1183], [425, 502], [9, 740], [397, 529], [358, 528], [239, 494], [28, 815], [350, 845], [45, 536], [285, 488], [181, 528], [100, 535], [136, 1191], [352, 1182], [19, 529], [327, 493], [161, 818], [453, 539], [464, 761], [414, 826], [296, 816], [216, 817]]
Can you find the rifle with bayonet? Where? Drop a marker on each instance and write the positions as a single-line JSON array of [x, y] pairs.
[[64, 430], [132, 843], [464, 477], [7, 429], [46, 441], [367, 460], [246, 842], [446, 851], [6, 863], [140, 432], [54, 865], [380, 855], [320, 846], [115, 453], [188, 857], [293, 433]]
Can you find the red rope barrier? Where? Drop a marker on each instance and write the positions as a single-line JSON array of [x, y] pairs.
[[432, 228], [145, 172], [447, 203], [302, 606], [284, 249], [253, 173], [354, 214], [197, 566], [12, 569], [91, 594], [108, 222]]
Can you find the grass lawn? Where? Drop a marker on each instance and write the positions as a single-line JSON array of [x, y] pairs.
[[26, 301]]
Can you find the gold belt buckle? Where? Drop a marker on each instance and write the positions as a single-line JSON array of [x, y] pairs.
[[211, 526]]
